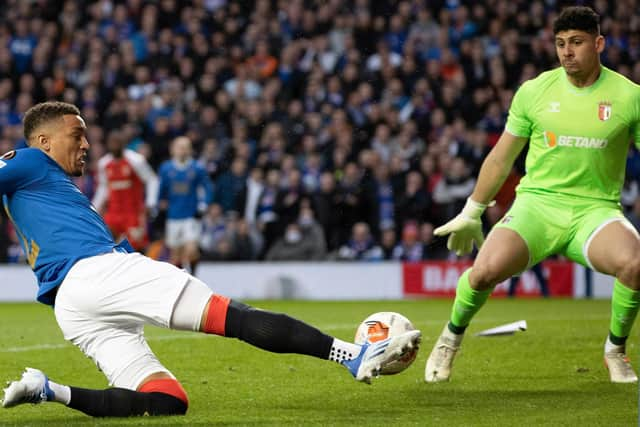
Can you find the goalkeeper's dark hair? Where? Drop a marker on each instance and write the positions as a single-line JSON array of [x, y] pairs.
[[580, 18], [45, 112]]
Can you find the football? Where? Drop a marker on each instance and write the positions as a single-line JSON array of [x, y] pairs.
[[383, 325]]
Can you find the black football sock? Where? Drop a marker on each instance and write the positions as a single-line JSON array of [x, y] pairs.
[[120, 402], [275, 332]]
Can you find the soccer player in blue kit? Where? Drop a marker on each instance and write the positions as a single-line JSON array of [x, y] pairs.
[[103, 294], [185, 192]]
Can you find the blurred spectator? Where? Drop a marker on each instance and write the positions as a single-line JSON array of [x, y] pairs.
[[410, 248], [214, 229], [326, 202], [302, 241], [452, 190], [413, 203], [231, 185], [245, 245], [361, 246], [388, 243]]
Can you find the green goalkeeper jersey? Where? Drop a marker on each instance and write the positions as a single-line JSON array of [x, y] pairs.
[[578, 137]]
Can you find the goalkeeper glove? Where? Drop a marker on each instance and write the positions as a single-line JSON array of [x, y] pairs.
[[464, 229]]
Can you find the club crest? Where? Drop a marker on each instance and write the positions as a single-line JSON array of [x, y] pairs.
[[604, 110]]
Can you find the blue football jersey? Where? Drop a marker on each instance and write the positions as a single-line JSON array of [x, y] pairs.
[[54, 221], [185, 187]]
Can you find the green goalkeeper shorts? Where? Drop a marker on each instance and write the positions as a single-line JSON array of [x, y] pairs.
[[553, 224]]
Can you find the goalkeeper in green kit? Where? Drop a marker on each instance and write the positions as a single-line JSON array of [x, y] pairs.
[[579, 120]]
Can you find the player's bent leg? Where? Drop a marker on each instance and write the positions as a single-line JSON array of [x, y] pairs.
[[503, 255], [613, 249], [161, 396]]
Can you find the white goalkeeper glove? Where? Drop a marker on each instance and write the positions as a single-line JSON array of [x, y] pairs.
[[464, 229]]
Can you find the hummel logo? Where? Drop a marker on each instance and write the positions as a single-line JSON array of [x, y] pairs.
[[554, 107]]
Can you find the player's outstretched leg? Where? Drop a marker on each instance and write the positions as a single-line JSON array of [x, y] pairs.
[[35, 387], [467, 303], [279, 333]]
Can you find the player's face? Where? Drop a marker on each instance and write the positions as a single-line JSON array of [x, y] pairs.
[[181, 149], [68, 144], [115, 144], [579, 52]]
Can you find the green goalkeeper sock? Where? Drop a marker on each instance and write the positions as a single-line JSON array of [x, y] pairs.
[[467, 303], [625, 303]]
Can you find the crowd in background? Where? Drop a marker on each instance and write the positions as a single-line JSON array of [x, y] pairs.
[[330, 129]]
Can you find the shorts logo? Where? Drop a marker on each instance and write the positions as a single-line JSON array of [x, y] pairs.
[[604, 110], [507, 219]]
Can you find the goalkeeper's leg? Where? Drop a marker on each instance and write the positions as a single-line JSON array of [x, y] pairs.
[[503, 255], [614, 250]]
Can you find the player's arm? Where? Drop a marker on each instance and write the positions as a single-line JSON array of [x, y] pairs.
[[102, 190], [147, 175], [466, 229], [496, 167]]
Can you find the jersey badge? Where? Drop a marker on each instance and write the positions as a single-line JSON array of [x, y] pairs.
[[604, 110], [554, 107], [8, 155]]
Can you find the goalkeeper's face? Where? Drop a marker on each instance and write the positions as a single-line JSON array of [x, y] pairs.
[[579, 52]]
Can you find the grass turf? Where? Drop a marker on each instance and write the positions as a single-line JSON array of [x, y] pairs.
[[551, 374]]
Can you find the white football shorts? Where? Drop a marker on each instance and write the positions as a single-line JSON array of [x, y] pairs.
[[103, 304], [182, 231]]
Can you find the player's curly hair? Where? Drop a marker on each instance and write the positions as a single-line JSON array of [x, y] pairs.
[[581, 18], [45, 112]]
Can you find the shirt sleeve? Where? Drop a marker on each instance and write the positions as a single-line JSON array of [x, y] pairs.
[[635, 127], [518, 122], [146, 174], [17, 169]]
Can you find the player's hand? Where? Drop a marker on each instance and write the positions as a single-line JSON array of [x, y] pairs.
[[465, 229]]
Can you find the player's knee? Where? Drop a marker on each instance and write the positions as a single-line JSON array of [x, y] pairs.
[[483, 277], [629, 272], [167, 397]]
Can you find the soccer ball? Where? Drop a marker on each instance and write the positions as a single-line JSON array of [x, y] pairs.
[[382, 325]]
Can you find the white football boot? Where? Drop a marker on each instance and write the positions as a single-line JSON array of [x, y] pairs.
[[620, 370], [438, 367], [33, 387], [374, 356]]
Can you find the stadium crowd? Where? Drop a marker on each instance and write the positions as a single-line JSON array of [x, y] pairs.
[[330, 129]]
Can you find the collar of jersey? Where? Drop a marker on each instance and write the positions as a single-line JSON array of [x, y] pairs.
[[584, 90]]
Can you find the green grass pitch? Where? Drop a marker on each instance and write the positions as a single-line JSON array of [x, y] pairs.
[[552, 374]]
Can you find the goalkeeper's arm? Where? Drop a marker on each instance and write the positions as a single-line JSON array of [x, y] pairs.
[[466, 228]]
